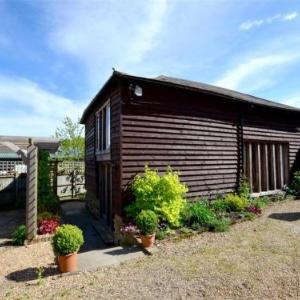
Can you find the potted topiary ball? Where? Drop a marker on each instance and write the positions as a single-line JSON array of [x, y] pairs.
[[66, 242], [147, 223]]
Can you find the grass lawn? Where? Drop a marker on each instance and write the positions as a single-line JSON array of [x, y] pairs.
[[257, 259]]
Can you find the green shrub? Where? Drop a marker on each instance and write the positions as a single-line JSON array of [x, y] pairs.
[[235, 203], [44, 216], [220, 206], [244, 189], [295, 186], [19, 235], [67, 239], [47, 201], [220, 225], [260, 202], [147, 222], [249, 215], [162, 234], [198, 214], [277, 197], [162, 194]]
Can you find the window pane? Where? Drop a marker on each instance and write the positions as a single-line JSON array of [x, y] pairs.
[[107, 126], [104, 129]]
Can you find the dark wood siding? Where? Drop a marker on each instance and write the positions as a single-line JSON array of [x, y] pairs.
[[199, 135], [193, 134], [274, 126], [92, 164]]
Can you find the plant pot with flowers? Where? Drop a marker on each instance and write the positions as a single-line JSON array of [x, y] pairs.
[[147, 223], [66, 242], [128, 231]]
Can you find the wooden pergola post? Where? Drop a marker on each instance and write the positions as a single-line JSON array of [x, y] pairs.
[[30, 158], [31, 191]]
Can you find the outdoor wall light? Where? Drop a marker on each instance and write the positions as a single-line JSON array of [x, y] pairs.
[[136, 90]]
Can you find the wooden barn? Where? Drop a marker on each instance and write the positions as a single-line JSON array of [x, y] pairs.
[[211, 135]]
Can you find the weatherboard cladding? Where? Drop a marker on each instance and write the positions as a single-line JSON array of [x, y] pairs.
[[191, 134], [195, 86], [195, 133], [92, 165]]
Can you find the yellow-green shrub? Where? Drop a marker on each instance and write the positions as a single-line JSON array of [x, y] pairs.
[[235, 203], [162, 194]]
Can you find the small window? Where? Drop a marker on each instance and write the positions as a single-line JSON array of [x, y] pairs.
[[103, 128], [266, 165]]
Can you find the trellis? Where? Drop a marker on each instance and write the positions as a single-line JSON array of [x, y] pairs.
[[30, 158]]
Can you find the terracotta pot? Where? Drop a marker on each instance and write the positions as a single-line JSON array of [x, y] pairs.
[[148, 240], [67, 263], [128, 239]]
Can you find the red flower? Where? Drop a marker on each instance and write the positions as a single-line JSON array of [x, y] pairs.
[[48, 226], [254, 210]]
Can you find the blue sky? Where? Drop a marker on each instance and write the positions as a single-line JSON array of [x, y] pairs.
[[55, 55]]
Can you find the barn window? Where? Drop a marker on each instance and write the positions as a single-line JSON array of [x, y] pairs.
[[103, 128], [266, 165]]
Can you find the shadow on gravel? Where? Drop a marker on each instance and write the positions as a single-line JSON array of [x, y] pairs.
[[290, 217], [30, 274]]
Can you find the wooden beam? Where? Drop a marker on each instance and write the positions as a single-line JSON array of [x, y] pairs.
[[250, 166], [281, 168], [273, 167], [286, 163], [31, 192], [266, 166], [258, 168]]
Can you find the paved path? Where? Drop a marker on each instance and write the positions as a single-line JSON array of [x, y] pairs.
[[94, 253]]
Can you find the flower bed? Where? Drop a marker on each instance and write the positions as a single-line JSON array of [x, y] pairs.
[[165, 196]]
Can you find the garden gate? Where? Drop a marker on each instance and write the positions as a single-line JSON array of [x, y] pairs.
[[68, 179]]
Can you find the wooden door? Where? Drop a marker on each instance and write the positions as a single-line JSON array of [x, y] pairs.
[[105, 182]]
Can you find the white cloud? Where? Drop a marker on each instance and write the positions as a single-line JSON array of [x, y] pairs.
[[252, 68], [28, 109], [279, 17], [145, 39], [290, 16], [102, 35]]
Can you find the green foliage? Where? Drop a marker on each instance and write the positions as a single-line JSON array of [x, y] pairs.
[[220, 225], [235, 203], [199, 213], [162, 194], [260, 202], [244, 189], [161, 234], [40, 275], [67, 239], [296, 183], [44, 216], [19, 235], [72, 140], [277, 197], [147, 222], [47, 201], [249, 215], [220, 206]]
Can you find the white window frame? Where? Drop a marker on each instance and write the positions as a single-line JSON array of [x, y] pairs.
[[107, 127]]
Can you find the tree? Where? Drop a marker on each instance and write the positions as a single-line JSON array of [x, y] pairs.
[[72, 139]]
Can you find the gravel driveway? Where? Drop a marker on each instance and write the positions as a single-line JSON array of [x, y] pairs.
[[254, 260]]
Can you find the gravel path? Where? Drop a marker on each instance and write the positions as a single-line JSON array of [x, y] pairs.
[[254, 260]]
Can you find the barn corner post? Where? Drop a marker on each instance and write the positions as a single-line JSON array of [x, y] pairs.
[[240, 147], [31, 190]]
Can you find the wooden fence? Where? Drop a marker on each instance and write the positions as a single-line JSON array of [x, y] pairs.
[[67, 179]]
